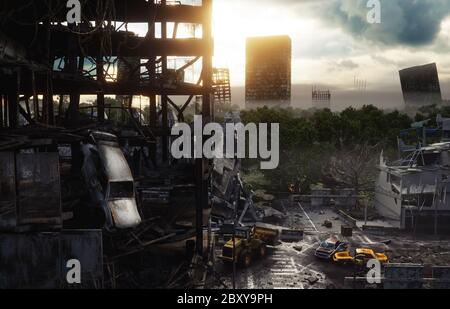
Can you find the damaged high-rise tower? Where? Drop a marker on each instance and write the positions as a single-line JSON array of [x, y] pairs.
[[420, 86], [268, 71]]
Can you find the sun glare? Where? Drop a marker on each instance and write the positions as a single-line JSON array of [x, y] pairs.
[[234, 21]]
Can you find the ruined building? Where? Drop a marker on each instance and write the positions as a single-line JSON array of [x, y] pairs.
[[321, 99], [268, 71], [92, 181], [412, 193]]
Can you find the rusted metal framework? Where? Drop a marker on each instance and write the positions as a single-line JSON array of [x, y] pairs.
[[42, 57]]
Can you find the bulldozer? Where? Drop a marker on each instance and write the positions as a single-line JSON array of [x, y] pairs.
[[250, 243]]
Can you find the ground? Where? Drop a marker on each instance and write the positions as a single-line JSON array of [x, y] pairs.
[[294, 266]]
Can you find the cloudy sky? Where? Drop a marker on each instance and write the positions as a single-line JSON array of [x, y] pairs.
[[333, 43]]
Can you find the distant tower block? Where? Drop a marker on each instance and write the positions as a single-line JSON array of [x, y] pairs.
[[221, 86], [420, 85], [321, 98], [268, 70]]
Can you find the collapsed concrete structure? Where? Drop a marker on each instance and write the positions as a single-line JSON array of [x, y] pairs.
[[412, 192]]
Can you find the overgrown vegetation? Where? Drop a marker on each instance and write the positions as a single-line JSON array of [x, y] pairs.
[[321, 147], [334, 149]]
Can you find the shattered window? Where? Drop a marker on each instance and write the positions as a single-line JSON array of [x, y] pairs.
[[327, 245]]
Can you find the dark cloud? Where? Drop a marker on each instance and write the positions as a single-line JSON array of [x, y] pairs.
[[403, 22]]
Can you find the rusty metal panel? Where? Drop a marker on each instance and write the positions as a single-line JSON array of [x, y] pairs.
[[39, 189], [8, 216], [442, 273], [38, 260]]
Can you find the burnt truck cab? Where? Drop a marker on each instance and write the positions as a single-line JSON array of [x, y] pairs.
[[110, 181]]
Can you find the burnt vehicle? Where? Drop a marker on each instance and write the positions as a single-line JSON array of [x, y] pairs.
[[110, 182], [328, 248]]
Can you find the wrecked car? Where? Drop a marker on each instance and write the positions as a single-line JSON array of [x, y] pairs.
[[328, 248], [110, 182], [361, 257]]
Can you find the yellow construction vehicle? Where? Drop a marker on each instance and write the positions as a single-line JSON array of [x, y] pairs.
[[361, 257], [250, 243]]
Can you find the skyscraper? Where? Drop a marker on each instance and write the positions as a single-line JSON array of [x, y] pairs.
[[268, 70]]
